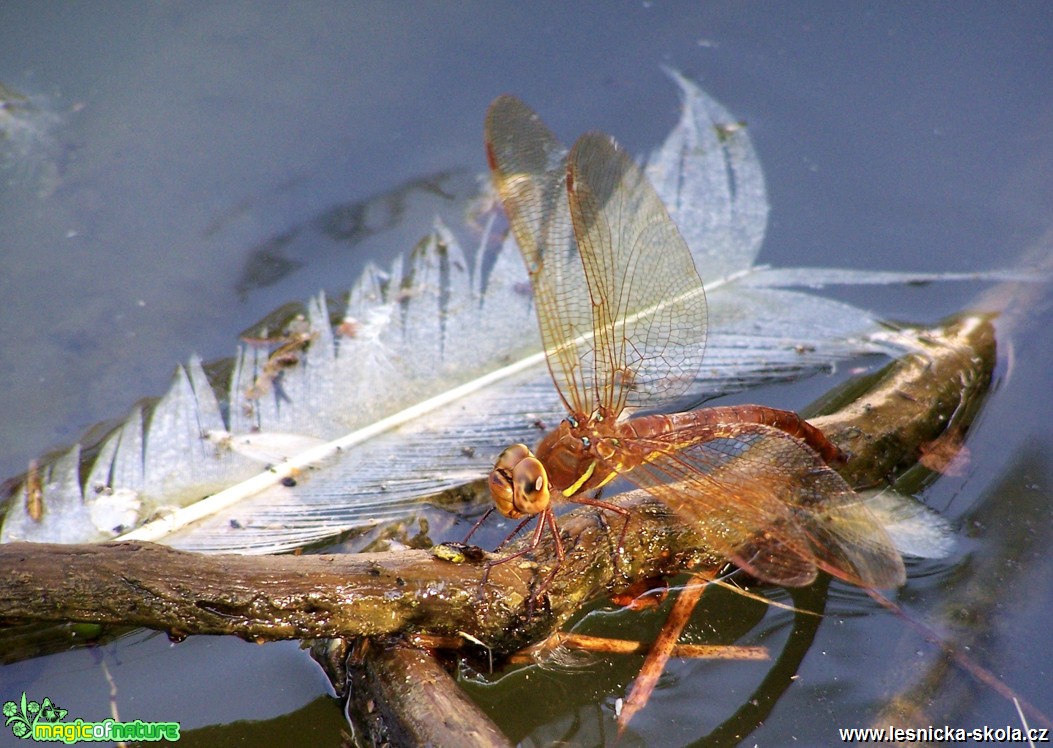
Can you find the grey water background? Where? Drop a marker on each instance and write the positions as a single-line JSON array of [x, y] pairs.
[[174, 138]]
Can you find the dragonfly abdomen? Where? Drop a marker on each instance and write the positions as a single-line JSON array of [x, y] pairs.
[[705, 423]]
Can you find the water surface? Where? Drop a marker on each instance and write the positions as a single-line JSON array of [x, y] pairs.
[[173, 139]]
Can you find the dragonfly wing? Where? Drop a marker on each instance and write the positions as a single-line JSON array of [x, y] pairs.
[[528, 165], [773, 559], [772, 505], [647, 301]]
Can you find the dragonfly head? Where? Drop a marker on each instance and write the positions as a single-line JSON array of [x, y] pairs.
[[518, 483]]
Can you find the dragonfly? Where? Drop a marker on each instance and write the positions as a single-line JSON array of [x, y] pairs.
[[623, 318]]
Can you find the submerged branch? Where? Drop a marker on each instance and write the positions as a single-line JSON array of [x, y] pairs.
[[404, 696], [302, 597]]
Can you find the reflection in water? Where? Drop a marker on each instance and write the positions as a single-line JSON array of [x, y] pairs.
[[27, 148], [732, 702], [348, 225], [810, 603], [998, 575]]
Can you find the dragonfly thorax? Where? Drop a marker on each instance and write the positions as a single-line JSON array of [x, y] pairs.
[[564, 452], [570, 453]]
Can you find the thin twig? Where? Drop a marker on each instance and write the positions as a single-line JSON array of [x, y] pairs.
[[661, 650]]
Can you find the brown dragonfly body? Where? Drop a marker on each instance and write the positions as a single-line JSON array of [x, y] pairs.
[[580, 456], [623, 319]]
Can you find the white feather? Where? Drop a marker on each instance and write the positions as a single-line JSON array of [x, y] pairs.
[[442, 370]]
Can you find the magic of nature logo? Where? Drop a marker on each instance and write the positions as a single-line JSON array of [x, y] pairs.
[[46, 721]]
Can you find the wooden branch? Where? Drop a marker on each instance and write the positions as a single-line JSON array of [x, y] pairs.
[[661, 650], [918, 398], [403, 696], [299, 597], [296, 597]]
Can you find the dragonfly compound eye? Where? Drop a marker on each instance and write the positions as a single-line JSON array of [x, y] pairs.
[[501, 483], [530, 486], [512, 456]]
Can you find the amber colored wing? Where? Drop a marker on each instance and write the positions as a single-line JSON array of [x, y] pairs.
[[621, 307], [768, 502], [528, 165], [648, 306]]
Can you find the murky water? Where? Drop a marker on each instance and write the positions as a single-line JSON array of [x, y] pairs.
[[173, 141]]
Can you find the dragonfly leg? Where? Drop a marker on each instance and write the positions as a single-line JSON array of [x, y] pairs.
[[479, 523], [548, 520], [545, 519], [510, 535], [515, 532]]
